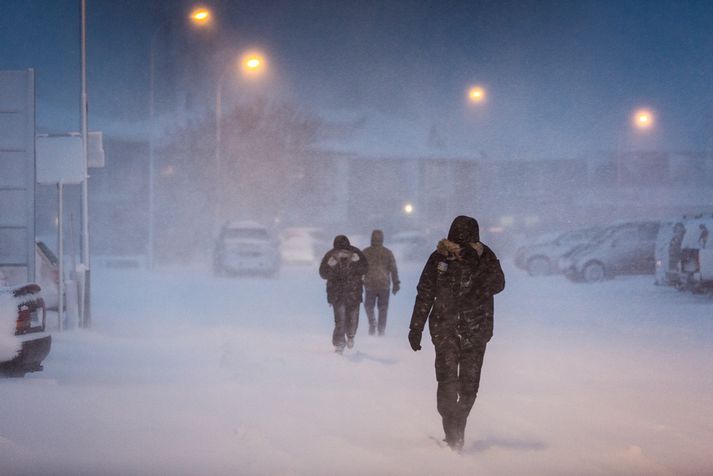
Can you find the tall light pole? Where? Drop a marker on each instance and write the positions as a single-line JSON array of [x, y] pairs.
[[85, 305], [643, 121], [252, 64], [201, 17]]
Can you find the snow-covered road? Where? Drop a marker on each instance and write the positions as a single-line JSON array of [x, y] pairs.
[[184, 373]]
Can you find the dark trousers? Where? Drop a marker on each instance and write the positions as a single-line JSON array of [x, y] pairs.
[[346, 320], [380, 299], [458, 376]]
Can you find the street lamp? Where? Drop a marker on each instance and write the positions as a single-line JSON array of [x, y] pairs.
[[201, 17], [252, 64], [643, 119], [476, 94]]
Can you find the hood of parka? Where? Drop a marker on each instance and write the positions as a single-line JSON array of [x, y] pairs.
[[377, 238], [341, 242], [464, 230]]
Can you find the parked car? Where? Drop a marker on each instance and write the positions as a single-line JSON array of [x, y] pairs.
[[246, 248], [542, 256], [33, 341], [688, 254], [302, 244], [622, 249]]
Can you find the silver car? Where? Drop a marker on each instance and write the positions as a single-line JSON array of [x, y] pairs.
[[622, 249], [541, 257], [246, 248]]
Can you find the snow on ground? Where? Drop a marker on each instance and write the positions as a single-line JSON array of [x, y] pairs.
[[184, 373]]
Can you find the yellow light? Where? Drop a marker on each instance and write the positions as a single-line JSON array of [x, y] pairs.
[[200, 16], [253, 63], [476, 94], [408, 209], [643, 119]]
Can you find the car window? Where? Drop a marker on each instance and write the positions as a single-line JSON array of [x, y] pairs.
[[625, 237], [648, 232]]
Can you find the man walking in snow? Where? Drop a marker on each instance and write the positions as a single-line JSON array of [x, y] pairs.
[[455, 295], [378, 280], [344, 267]]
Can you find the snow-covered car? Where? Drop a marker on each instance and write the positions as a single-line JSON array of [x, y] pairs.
[[689, 253], [302, 244], [24, 343], [622, 249], [246, 248], [542, 256]]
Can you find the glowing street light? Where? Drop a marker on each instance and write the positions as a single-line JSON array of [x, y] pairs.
[[253, 63], [408, 209], [200, 16], [643, 119], [476, 94]]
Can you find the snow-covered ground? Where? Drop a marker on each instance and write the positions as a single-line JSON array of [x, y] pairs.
[[184, 373]]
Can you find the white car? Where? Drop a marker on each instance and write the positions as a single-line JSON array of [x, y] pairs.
[[302, 245], [246, 248]]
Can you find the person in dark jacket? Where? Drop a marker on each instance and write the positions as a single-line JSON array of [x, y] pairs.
[[455, 296], [378, 281], [344, 267]]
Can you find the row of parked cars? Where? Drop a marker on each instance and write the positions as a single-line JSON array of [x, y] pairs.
[[677, 252], [247, 247]]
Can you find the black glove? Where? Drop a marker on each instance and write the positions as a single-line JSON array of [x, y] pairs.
[[395, 288], [469, 254], [414, 338]]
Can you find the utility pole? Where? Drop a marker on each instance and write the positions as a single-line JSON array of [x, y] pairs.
[[85, 305]]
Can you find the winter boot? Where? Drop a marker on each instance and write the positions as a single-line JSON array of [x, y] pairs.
[[450, 427], [350, 342], [372, 329], [339, 350]]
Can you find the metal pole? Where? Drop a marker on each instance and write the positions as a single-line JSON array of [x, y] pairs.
[[60, 252], [86, 311], [218, 159], [152, 147], [150, 250]]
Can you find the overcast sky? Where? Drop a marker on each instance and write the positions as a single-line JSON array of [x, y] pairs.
[[561, 77]]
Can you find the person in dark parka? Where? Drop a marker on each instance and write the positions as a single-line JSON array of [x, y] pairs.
[[378, 281], [344, 267], [455, 295]]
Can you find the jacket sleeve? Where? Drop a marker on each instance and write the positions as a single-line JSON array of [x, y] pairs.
[[392, 268], [362, 264], [426, 294], [326, 271], [490, 276]]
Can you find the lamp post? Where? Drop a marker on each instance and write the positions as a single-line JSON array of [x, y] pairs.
[[201, 17], [251, 64], [85, 307], [643, 121]]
